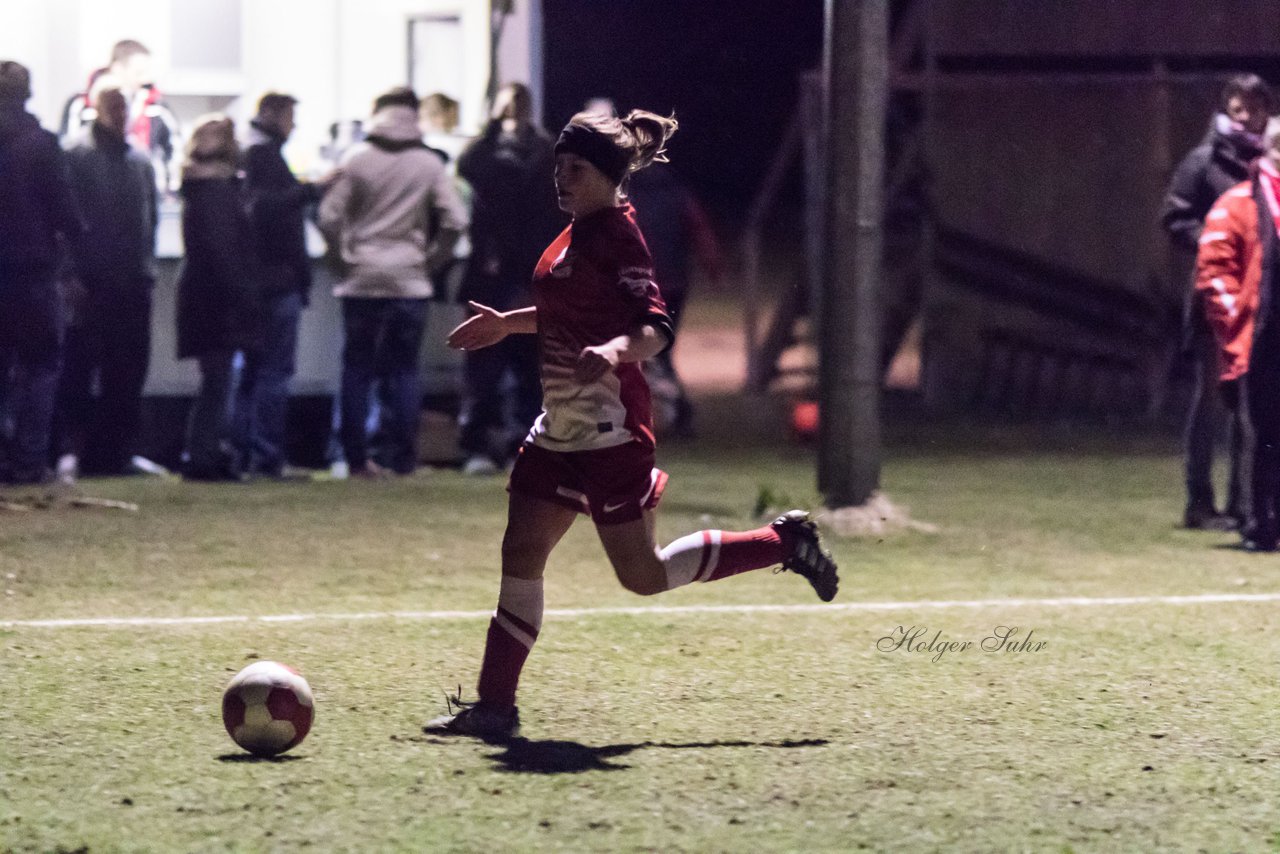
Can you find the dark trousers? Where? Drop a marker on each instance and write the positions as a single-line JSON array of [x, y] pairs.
[[109, 349], [382, 339], [673, 410], [262, 396], [487, 428], [1205, 418], [1260, 390], [209, 452], [31, 338]]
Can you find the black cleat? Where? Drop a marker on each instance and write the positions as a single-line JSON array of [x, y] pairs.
[[1202, 517], [807, 557], [485, 721]]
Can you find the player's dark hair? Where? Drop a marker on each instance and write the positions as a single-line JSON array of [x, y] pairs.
[[1248, 86], [125, 48]]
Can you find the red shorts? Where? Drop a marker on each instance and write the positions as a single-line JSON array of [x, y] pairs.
[[611, 485]]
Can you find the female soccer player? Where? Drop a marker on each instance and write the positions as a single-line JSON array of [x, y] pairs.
[[598, 315]]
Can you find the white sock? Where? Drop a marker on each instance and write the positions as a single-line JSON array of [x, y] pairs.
[[521, 599], [691, 557]]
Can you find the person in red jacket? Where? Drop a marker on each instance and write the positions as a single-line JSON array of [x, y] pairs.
[[152, 126], [598, 314], [1236, 269]]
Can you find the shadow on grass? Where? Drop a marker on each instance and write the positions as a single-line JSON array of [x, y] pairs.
[[523, 756], [249, 757]]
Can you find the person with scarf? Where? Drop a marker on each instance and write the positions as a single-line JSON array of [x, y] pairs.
[[1237, 271], [1221, 161]]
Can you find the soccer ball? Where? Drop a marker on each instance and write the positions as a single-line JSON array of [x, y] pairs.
[[267, 708]]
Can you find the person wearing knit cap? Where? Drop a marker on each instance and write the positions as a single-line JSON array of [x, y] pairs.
[[598, 314]]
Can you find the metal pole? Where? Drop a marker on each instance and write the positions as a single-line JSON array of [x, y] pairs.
[[855, 69]]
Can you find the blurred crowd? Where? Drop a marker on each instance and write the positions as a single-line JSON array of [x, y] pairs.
[[407, 201]]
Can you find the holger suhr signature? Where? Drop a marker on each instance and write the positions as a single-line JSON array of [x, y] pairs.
[[1003, 639]]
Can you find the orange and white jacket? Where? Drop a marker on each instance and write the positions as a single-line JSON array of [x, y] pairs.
[[1229, 274]]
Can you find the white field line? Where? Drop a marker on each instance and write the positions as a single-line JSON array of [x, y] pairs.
[[656, 610]]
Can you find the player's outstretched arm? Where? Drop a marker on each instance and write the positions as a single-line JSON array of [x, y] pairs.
[[488, 326]]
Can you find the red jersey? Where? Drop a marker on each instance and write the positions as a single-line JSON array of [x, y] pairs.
[[592, 284]]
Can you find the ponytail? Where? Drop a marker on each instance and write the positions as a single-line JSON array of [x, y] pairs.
[[651, 132]]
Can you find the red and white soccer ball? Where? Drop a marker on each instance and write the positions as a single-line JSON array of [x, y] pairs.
[[267, 708]]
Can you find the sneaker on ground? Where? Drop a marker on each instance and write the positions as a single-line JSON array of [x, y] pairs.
[[807, 557], [372, 471], [145, 466], [68, 469], [479, 465], [494, 724], [1204, 518]]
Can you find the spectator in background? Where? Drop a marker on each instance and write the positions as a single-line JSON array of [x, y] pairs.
[[1209, 170], [152, 126], [277, 203], [1236, 272], [438, 119], [218, 312], [378, 213], [511, 171], [37, 215], [678, 231], [109, 336]]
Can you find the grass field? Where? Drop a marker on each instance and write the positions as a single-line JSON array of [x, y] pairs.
[[1138, 725]]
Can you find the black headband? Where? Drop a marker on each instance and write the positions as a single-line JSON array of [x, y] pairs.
[[596, 148]]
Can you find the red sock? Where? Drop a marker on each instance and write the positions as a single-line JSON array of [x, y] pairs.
[[712, 555], [512, 631]]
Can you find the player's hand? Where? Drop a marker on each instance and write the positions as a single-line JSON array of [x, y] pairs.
[[483, 329], [595, 362]]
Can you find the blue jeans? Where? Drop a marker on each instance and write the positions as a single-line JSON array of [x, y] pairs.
[[262, 398], [31, 341], [383, 337]]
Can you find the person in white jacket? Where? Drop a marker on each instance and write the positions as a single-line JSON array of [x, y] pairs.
[[394, 214]]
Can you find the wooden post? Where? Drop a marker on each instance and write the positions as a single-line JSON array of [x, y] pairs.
[[855, 66]]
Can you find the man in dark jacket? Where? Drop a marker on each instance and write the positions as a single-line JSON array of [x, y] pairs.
[[511, 170], [110, 325], [37, 210], [278, 204], [1220, 162]]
